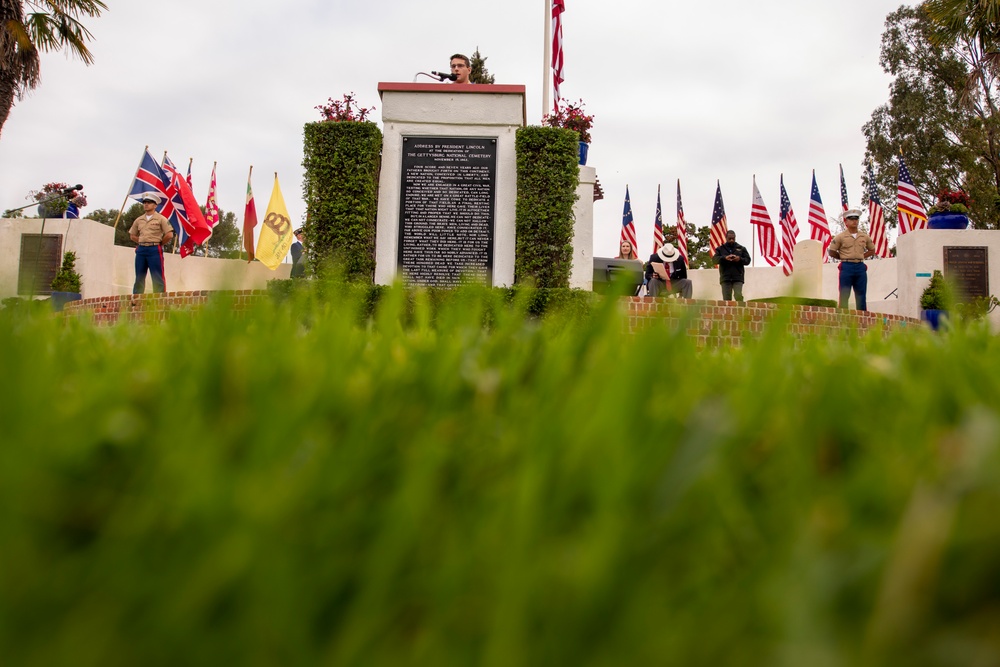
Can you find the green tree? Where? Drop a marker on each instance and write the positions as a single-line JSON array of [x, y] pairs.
[[225, 240], [941, 114], [479, 72], [108, 217], [28, 27], [697, 243]]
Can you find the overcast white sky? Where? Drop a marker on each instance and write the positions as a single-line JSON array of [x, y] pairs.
[[692, 90]]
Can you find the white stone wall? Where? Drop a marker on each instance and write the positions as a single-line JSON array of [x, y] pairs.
[[109, 270]]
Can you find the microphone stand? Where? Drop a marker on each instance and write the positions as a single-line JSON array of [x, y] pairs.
[[439, 78]]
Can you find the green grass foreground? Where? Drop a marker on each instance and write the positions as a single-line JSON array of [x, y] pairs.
[[300, 487]]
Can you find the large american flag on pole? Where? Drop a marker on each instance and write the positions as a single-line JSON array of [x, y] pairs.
[[819, 227], [767, 239], [682, 231], [558, 7], [628, 224], [658, 224], [843, 190], [717, 233], [789, 231], [912, 214], [876, 218]]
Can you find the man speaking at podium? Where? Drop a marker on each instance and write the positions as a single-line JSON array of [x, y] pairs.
[[461, 68]]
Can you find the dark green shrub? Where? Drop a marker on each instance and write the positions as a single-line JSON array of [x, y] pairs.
[[67, 279], [938, 295], [547, 177], [340, 188]]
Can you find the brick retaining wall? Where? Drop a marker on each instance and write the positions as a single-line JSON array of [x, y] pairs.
[[712, 322], [722, 323]]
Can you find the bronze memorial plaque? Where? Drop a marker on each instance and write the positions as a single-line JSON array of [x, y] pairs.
[[447, 199], [968, 267]]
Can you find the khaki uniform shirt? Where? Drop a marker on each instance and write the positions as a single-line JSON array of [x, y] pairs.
[[152, 230], [852, 249]]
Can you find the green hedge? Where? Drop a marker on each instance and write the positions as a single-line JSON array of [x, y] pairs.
[[340, 188], [547, 177]]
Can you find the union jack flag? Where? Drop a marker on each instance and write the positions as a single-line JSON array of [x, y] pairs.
[[185, 207], [789, 231], [767, 239], [149, 177], [658, 224], [843, 190], [876, 218], [717, 233], [912, 214], [628, 224], [817, 219], [682, 231], [558, 7]]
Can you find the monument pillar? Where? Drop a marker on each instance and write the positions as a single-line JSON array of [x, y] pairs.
[[448, 183]]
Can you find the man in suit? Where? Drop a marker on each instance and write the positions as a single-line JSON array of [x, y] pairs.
[[666, 273]]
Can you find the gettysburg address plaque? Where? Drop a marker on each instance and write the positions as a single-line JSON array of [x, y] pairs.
[[446, 209], [968, 267]]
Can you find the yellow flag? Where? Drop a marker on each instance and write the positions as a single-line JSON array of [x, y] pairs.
[[275, 231]]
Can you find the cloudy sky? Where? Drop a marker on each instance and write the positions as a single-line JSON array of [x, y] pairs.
[[698, 91]]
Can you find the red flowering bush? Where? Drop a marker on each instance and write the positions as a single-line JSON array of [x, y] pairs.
[[953, 201], [571, 116], [346, 110]]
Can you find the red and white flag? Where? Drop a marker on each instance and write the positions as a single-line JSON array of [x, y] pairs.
[[819, 227], [789, 231], [558, 7], [191, 218], [682, 231], [211, 205], [249, 220], [912, 214], [767, 238]]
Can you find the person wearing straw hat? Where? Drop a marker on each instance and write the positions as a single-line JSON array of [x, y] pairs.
[[852, 247], [150, 232], [666, 273]]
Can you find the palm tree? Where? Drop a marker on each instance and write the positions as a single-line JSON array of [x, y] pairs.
[[978, 20], [28, 27]]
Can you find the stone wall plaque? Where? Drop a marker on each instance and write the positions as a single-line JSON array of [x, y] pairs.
[[447, 208], [968, 267], [41, 257]]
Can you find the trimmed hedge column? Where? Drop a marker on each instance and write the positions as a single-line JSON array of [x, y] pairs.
[[547, 175], [340, 188]]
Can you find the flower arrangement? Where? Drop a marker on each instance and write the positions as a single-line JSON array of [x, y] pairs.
[[953, 201], [52, 202], [346, 110], [571, 116]]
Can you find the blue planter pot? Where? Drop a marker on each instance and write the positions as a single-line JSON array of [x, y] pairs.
[[60, 299], [947, 221], [584, 149], [935, 318]]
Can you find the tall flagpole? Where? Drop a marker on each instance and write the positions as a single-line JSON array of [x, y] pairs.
[[753, 230], [125, 201], [547, 58]]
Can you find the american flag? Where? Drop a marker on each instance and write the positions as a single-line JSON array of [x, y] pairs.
[[717, 233], [912, 214], [249, 220], [820, 228], [876, 218], [211, 205], [658, 224], [789, 231], [767, 239], [843, 190], [558, 7], [628, 225], [682, 232]]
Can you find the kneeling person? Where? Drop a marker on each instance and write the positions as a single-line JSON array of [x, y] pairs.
[[666, 273]]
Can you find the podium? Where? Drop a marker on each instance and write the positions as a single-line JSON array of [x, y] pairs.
[[448, 183]]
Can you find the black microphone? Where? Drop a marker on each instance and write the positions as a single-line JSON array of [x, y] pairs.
[[68, 192], [445, 75]]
